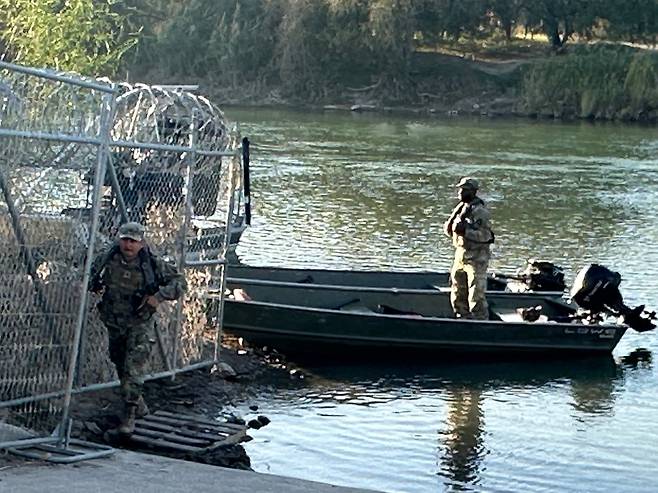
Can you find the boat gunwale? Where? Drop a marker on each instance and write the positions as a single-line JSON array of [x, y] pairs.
[[377, 289], [424, 319]]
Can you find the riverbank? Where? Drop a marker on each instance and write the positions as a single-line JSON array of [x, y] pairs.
[[201, 392], [441, 84], [589, 82]]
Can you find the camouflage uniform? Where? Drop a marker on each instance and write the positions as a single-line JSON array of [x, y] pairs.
[[472, 253], [131, 332]]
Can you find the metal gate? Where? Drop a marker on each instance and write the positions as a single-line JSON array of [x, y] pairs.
[[78, 158]]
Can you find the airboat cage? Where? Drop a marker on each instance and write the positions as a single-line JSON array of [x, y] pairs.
[[77, 158]]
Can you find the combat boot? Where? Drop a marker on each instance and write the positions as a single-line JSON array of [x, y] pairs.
[[127, 426], [142, 407]]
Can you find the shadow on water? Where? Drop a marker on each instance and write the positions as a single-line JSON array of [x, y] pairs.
[[593, 383]]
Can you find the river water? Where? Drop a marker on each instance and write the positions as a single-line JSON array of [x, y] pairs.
[[348, 190]]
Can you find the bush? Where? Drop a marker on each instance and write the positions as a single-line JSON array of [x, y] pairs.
[[600, 82]]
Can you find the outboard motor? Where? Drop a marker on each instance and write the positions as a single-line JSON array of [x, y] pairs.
[[596, 289]]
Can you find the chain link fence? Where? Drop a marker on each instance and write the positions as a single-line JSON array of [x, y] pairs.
[[77, 159]]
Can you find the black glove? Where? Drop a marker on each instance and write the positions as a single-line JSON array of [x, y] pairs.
[[95, 285], [459, 228]]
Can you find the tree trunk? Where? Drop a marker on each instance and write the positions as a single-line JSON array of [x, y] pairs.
[[508, 31], [556, 41]]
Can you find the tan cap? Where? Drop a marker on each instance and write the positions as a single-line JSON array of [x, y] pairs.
[[468, 182], [134, 231]]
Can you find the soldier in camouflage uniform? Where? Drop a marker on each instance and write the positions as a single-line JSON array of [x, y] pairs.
[[134, 282], [469, 226]]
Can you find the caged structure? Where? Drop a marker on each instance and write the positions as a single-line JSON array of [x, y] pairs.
[[79, 157]]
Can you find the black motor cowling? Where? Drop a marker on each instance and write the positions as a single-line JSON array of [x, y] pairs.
[[596, 289]]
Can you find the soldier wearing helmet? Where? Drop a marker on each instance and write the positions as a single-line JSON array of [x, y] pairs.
[[469, 226], [134, 281]]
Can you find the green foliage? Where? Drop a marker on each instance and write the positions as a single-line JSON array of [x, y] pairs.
[[349, 48], [391, 42], [449, 19], [603, 82], [641, 83], [85, 36], [507, 13], [302, 46], [312, 49], [635, 20]]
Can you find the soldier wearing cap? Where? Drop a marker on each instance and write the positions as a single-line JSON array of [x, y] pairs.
[[469, 226], [134, 281]]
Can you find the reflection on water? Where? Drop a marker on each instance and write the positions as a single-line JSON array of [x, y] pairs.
[[462, 440], [448, 422], [347, 191]]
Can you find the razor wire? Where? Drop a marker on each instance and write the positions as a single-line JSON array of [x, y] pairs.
[[170, 162]]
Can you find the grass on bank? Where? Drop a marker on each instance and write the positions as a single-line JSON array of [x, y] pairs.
[[595, 82]]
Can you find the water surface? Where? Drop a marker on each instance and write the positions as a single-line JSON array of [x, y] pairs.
[[370, 191]]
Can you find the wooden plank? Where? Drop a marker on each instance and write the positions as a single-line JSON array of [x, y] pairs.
[[166, 444], [199, 419], [180, 431], [193, 424], [231, 440], [186, 433], [172, 437]]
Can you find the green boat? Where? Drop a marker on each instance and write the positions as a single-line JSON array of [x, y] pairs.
[[313, 320], [334, 320]]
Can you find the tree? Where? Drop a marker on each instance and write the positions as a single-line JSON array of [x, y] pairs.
[[391, 39], [302, 47], [507, 12], [633, 20], [348, 29], [86, 36], [560, 19], [452, 18]]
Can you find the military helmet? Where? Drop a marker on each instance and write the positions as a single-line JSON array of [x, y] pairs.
[[468, 182], [132, 230]]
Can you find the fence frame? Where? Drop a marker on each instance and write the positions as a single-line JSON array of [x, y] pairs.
[[103, 143]]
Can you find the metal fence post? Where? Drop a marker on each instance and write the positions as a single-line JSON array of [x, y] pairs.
[[225, 247], [189, 179], [106, 117]]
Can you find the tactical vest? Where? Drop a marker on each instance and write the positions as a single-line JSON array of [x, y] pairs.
[[464, 211], [126, 283]]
